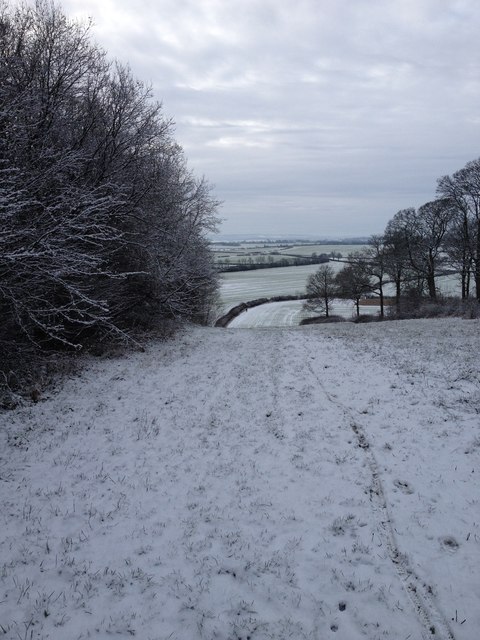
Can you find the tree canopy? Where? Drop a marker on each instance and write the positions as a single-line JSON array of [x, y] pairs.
[[102, 224]]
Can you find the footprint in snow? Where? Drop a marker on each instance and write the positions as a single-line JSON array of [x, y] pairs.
[[404, 486], [449, 543]]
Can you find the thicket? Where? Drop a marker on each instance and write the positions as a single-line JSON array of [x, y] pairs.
[[102, 224]]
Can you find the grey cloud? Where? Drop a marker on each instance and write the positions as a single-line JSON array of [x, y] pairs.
[[326, 115]]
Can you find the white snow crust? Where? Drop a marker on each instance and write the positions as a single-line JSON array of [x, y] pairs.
[[315, 482]]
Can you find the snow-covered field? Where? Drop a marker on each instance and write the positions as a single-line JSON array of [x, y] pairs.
[[241, 286], [289, 314], [318, 482]]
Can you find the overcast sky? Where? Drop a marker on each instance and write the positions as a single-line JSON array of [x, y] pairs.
[[321, 117]]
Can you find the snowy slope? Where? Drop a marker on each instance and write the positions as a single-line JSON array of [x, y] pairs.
[[290, 313], [292, 483]]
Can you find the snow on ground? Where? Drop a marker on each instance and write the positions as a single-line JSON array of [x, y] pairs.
[[318, 482], [273, 314], [289, 314]]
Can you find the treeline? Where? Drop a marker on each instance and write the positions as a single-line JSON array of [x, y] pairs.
[[442, 237], [102, 224], [288, 243], [262, 262]]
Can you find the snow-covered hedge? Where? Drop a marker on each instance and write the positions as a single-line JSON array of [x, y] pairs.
[[102, 225]]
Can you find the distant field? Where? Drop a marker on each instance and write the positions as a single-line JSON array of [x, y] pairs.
[[278, 252], [242, 286], [307, 250], [234, 256]]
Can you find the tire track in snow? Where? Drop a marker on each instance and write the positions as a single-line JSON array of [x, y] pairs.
[[434, 622]]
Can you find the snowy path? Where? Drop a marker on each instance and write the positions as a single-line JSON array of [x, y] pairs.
[[420, 593], [292, 483]]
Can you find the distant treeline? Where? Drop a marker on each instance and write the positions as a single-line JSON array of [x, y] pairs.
[[298, 242], [267, 262]]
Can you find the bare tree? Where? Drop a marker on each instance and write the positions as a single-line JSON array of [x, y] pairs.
[[374, 258], [463, 190], [102, 224], [354, 280], [422, 233], [320, 290], [458, 249], [56, 231], [395, 257], [435, 219]]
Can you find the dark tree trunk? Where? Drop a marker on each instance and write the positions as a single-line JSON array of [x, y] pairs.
[[382, 301], [432, 291], [477, 263]]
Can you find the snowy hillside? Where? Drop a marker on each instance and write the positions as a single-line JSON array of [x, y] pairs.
[[251, 484]]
